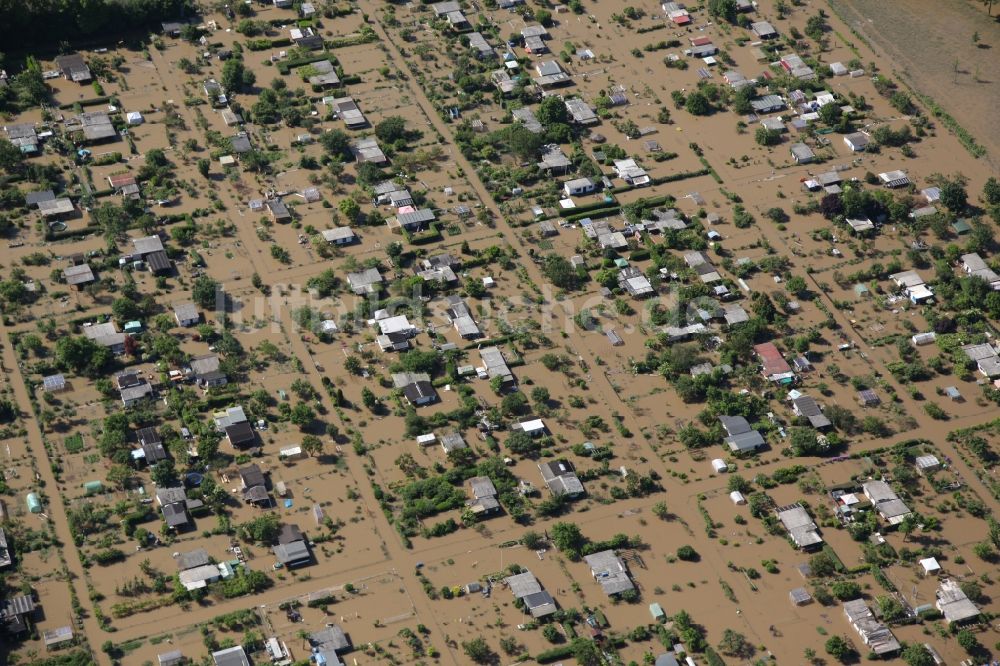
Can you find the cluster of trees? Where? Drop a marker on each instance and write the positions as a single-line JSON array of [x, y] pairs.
[[25, 90], [279, 103], [723, 9], [28, 24], [517, 140], [393, 134], [236, 77], [82, 356], [561, 273]]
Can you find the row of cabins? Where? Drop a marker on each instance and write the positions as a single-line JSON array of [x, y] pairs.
[[93, 127], [326, 646]]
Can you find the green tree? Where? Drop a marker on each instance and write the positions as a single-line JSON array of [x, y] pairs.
[[369, 174], [125, 310], [206, 292], [908, 525], [741, 99], [479, 651], [523, 143], [586, 652], [540, 394], [914, 654], [391, 129], [723, 9], [738, 483], [767, 137], [337, 144], [889, 608], [353, 365], [845, 590], [830, 114], [991, 191], [804, 442], [163, 473], [81, 355], [796, 285], [697, 104], [112, 219], [236, 77], [661, 511], [521, 443], [560, 272], [736, 645], [369, 399], [839, 649], [968, 641], [11, 157], [514, 404], [953, 195], [204, 164], [312, 445], [984, 551], [350, 209], [567, 537], [532, 540], [302, 414], [816, 27], [552, 111], [993, 531], [822, 565], [262, 529], [552, 634], [119, 476]]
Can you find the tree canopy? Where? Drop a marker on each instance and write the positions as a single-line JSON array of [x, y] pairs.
[[204, 292], [81, 355], [28, 24]]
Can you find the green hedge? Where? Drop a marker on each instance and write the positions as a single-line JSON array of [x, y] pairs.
[[286, 66], [595, 214], [351, 40], [71, 233], [431, 235], [321, 601], [561, 652], [93, 101], [107, 158]]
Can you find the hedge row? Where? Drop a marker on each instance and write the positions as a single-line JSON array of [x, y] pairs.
[[263, 43], [286, 66], [595, 214], [561, 652], [93, 101], [351, 40]]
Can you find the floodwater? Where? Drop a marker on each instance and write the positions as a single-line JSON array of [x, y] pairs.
[[599, 381]]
